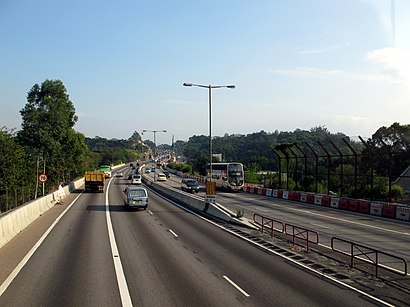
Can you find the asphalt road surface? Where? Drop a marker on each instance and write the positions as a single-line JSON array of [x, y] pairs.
[[100, 254]]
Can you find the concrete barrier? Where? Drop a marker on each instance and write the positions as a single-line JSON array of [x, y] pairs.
[[334, 202], [196, 203], [14, 221], [403, 213], [376, 208], [318, 200]]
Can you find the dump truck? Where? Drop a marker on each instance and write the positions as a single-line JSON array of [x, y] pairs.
[[94, 181]]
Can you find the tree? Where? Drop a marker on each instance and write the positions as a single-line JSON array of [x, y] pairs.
[[13, 169], [388, 151], [47, 129]]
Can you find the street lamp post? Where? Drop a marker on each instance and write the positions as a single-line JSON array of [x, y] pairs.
[[210, 87], [155, 144]]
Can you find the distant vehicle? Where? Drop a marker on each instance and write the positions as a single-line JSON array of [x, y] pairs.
[[228, 176], [161, 177], [130, 175], [136, 197], [119, 174], [190, 185], [167, 173], [94, 181], [131, 164], [152, 169], [106, 169], [136, 179], [147, 171]]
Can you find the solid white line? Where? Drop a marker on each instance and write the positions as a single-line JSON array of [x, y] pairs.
[[27, 257], [280, 255], [170, 230], [150, 212], [236, 286], [352, 222], [122, 282]]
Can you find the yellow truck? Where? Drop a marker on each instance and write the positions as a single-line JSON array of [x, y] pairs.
[[94, 181]]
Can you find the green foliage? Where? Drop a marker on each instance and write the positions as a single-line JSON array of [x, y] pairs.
[[181, 167], [388, 151], [396, 192], [47, 131], [12, 162], [116, 151]]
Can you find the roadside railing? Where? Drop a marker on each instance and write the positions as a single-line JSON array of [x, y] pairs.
[[304, 234], [270, 226], [368, 255], [267, 224]]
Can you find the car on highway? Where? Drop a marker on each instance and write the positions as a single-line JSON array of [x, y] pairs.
[[119, 174], [136, 197], [152, 169], [147, 170], [136, 179], [167, 174], [190, 185], [130, 175], [161, 177]]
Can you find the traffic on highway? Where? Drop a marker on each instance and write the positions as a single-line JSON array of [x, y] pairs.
[[93, 250]]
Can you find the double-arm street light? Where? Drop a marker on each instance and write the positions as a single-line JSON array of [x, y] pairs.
[[155, 145], [155, 142], [210, 87]]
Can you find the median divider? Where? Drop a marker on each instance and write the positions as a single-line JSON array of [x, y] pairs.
[[197, 203]]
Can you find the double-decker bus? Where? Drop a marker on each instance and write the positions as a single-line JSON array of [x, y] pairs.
[[106, 169], [228, 176]]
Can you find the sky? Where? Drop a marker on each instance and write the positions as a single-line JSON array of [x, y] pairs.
[[341, 64]]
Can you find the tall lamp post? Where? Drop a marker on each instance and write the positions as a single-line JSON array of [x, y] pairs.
[[210, 87], [155, 144]]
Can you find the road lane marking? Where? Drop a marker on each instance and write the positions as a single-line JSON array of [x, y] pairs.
[[119, 272], [318, 225], [236, 286], [357, 223], [150, 212], [27, 257], [334, 279], [176, 236]]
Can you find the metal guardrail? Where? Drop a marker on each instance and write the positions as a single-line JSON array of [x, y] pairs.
[[266, 222], [356, 250], [302, 234], [296, 232]]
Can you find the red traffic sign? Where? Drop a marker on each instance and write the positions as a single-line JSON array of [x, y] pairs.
[[42, 177]]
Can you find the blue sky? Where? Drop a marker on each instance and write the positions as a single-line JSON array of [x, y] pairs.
[[342, 64]]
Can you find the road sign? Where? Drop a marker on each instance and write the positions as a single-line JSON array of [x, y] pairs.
[[210, 198], [210, 188], [42, 177]]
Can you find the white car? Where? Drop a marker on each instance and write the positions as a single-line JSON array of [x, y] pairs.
[[161, 177], [136, 179]]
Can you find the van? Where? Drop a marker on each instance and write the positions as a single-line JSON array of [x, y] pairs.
[[136, 197], [190, 185]]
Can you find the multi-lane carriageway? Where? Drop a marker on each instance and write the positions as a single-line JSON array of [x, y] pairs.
[[90, 251]]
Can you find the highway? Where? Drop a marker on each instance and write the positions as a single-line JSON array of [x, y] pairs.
[[164, 256], [390, 236]]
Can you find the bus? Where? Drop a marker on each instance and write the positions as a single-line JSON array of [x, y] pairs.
[[106, 169], [228, 176]]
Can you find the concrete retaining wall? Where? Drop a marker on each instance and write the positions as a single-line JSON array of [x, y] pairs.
[[11, 223]]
